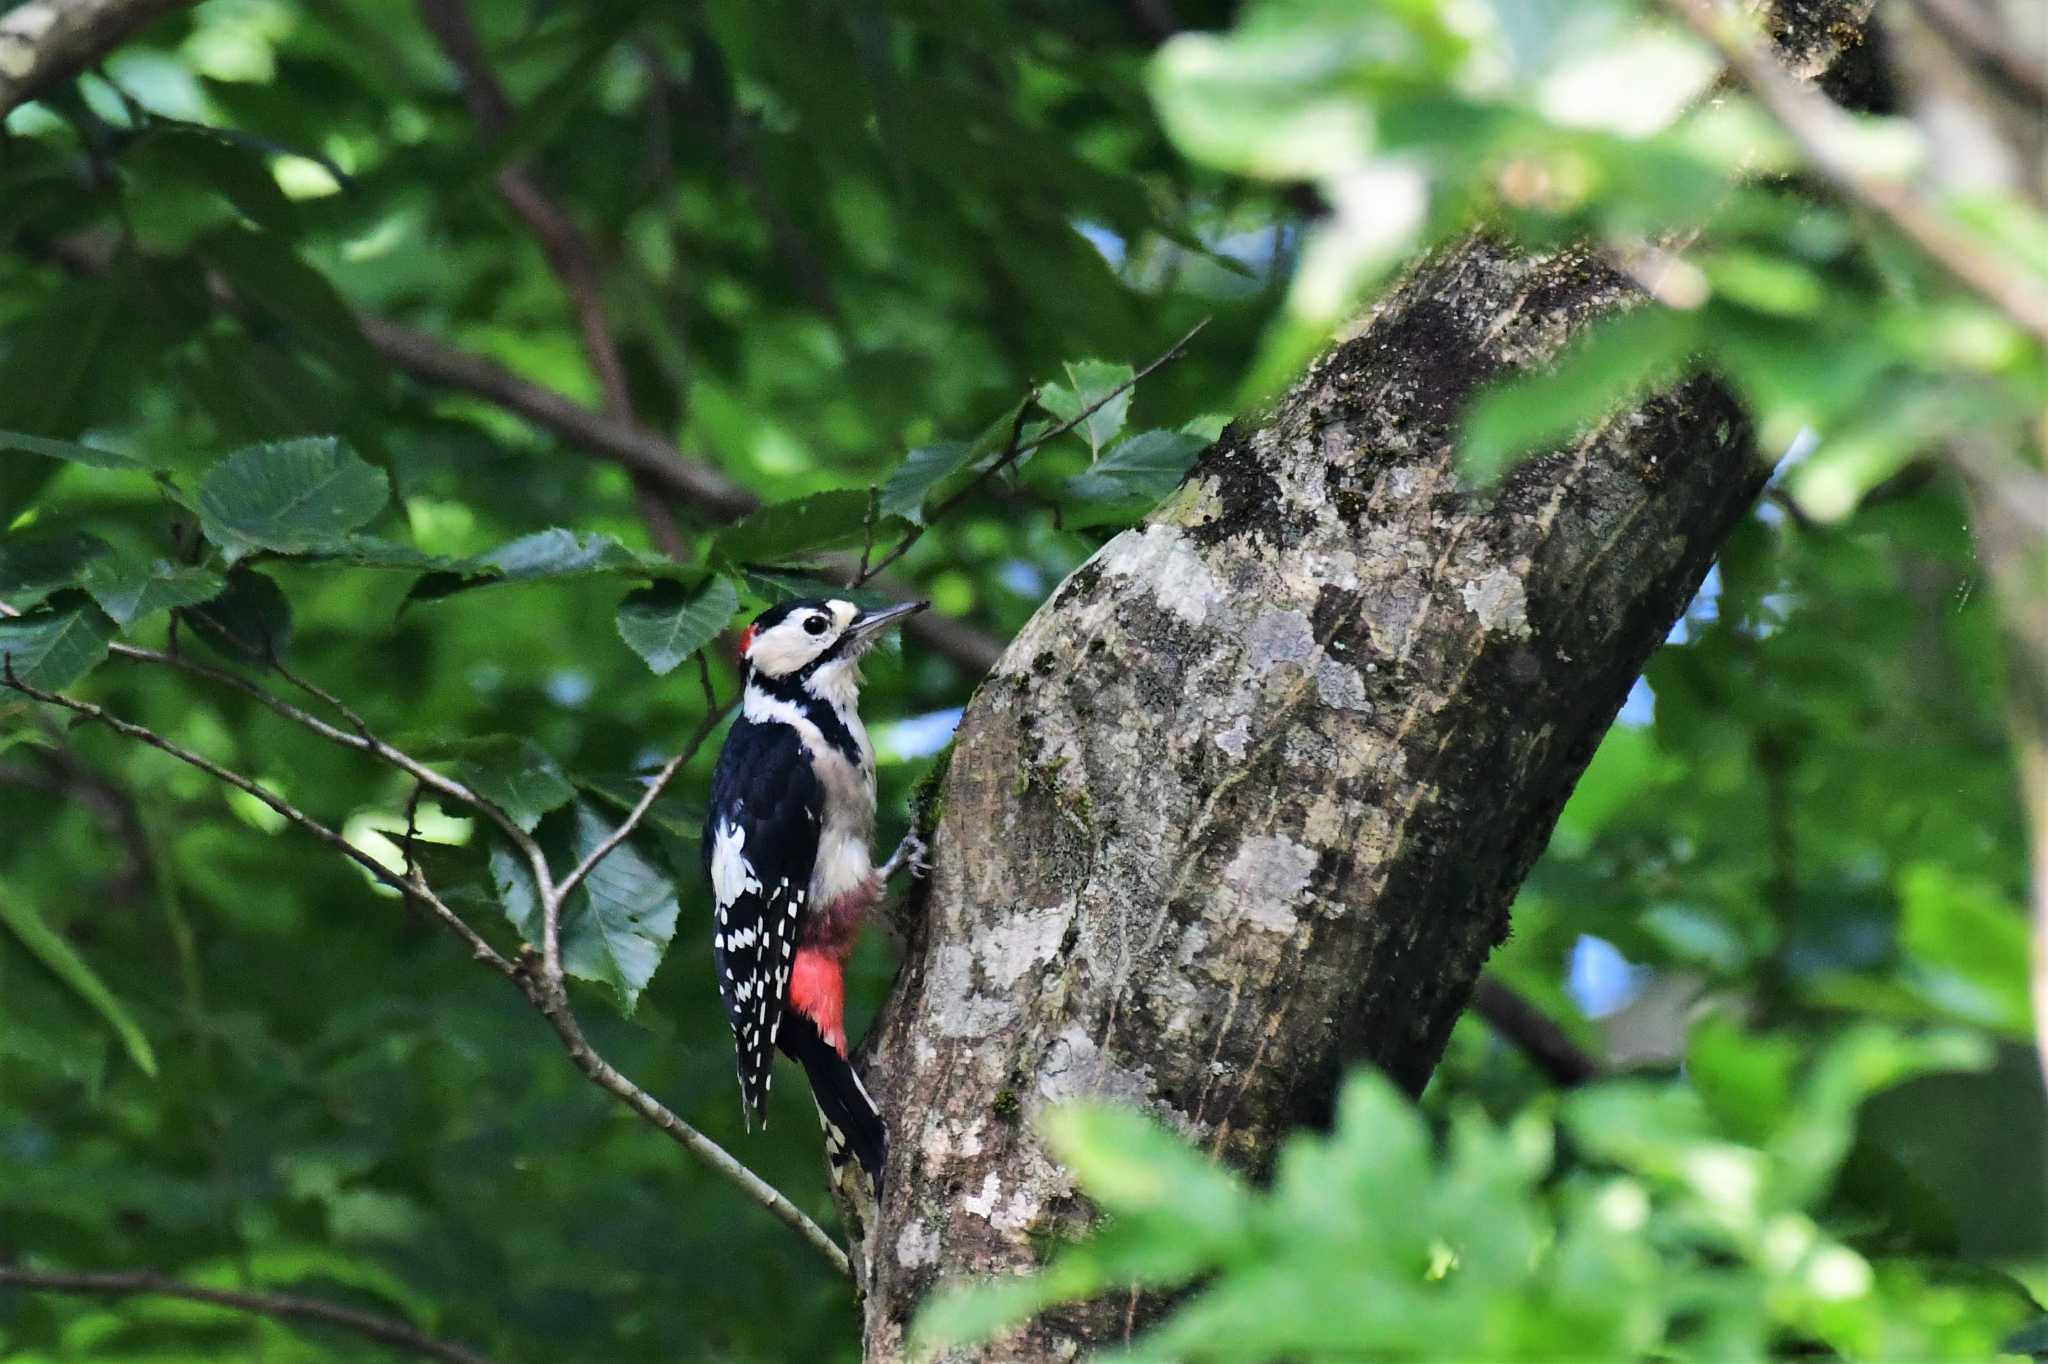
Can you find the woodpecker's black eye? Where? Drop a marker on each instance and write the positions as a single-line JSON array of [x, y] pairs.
[[814, 625]]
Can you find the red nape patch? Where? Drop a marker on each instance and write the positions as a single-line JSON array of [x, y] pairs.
[[817, 987], [746, 640]]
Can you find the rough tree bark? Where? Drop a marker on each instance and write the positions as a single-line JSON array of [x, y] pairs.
[[1247, 801], [45, 42]]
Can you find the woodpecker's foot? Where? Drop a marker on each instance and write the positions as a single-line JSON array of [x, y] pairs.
[[909, 853]]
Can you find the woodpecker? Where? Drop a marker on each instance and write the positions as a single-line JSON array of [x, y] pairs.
[[786, 850]]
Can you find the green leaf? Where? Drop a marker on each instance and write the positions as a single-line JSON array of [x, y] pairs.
[[665, 624], [48, 947], [1131, 1165], [516, 775], [620, 920], [546, 554], [922, 470], [785, 530], [1145, 467], [1614, 363], [291, 496], [52, 648], [518, 895], [34, 566], [129, 591], [1091, 382], [1967, 947], [69, 450], [203, 158]]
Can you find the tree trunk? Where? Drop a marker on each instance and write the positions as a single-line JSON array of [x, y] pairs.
[[1248, 799]]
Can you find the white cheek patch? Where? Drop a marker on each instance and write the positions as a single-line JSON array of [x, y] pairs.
[[843, 613]]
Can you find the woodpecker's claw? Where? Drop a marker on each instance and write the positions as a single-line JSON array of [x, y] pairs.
[[909, 853]]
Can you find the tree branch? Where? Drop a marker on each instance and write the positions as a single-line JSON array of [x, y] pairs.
[[1537, 1035], [563, 243], [1815, 125], [46, 42], [712, 716], [411, 889], [1976, 34], [545, 991], [1018, 447], [282, 1306]]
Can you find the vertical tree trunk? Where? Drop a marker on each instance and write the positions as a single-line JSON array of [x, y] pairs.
[[1248, 799]]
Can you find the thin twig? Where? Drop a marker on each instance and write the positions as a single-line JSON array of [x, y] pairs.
[[362, 741], [1816, 126], [546, 994], [582, 869], [654, 1111], [480, 949], [1018, 447], [282, 1306]]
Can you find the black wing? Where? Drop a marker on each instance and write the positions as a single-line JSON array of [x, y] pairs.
[[760, 845]]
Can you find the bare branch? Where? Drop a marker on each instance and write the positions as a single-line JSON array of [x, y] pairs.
[[283, 1306], [607, 1076], [1975, 33], [362, 741], [45, 42], [1816, 126], [1018, 447], [544, 991], [413, 889]]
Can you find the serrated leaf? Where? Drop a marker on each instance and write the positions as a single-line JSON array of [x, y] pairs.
[[54, 647], [665, 623], [1146, 466], [68, 450], [516, 775], [783, 530], [1090, 382], [290, 496], [129, 591], [551, 553], [922, 470], [34, 566], [48, 947], [1619, 360], [620, 920], [911, 485]]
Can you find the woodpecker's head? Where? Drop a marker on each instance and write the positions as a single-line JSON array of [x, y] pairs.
[[815, 640]]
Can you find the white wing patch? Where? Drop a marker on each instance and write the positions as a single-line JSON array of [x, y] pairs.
[[731, 874]]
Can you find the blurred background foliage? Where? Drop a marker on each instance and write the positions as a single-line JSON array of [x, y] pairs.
[[834, 248]]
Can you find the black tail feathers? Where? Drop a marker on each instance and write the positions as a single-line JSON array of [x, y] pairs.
[[852, 1126]]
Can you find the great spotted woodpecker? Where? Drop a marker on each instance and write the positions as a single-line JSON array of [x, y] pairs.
[[786, 849]]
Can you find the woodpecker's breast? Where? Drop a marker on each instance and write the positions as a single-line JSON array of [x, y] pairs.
[[843, 759]]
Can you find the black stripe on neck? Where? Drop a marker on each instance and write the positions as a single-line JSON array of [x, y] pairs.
[[819, 712]]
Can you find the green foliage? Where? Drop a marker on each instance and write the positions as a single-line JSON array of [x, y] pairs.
[[37, 938], [1679, 1226], [849, 254]]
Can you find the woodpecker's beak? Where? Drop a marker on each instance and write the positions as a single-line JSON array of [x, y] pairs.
[[869, 623]]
